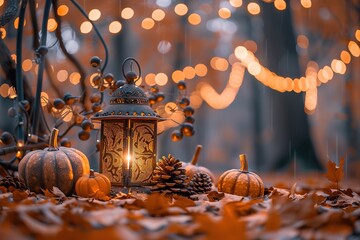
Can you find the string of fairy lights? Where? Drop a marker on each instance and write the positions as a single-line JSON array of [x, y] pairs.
[[243, 57]]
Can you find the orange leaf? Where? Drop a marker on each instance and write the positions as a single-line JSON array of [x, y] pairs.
[[157, 204], [100, 195], [215, 196], [19, 195], [335, 173], [183, 202], [48, 193]]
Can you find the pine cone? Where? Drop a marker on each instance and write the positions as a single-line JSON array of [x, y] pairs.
[[200, 183], [169, 176], [14, 182]]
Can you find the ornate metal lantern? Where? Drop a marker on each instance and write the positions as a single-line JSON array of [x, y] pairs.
[[128, 134]]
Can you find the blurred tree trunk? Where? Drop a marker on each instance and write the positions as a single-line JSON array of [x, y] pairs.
[[288, 141]]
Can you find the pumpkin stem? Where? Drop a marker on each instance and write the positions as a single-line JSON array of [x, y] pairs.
[[53, 143], [91, 175], [196, 155], [243, 163]]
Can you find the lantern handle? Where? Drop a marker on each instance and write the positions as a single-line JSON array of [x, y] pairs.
[[137, 64]]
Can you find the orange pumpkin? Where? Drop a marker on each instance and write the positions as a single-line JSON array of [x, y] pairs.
[[192, 167], [53, 167], [89, 185], [241, 182]]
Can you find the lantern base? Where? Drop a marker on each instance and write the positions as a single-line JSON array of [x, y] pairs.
[[130, 189]]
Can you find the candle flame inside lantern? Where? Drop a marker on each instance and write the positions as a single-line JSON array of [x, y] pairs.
[[128, 158]]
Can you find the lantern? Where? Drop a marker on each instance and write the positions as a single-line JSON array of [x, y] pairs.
[[128, 134]]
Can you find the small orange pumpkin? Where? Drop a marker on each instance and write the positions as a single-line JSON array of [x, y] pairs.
[[53, 167], [241, 182], [192, 167], [89, 185]]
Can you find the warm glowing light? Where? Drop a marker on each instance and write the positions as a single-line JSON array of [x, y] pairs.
[[195, 100], [221, 64], [75, 78], [241, 52], [16, 22], [253, 8], [170, 107], [224, 13], [62, 10], [94, 14], [338, 66], [2, 33], [147, 23], [51, 25], [150, 79], [254, 68], [194, 19], [161, 79], [328, 73], [189, 72], [250, 45], [357, 35], [177, 76], [280, 4], [138, 82], [236, 3], [67, 114], [302, 41], [1, 2], [306, 3], [127, 13], [354, 49], [345, 57], [181, 9], [85, 27], [14, 57], [27, 65], [12, 93], [310, 100], [115, 27], [201, 70], [4, 89], [62, 75], [44, 99], [158, 15]]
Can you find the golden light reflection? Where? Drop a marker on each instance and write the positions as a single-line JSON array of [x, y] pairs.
[[44, 99], [62, 75], [194, 19], [302, 41], [94, 14], [147, 23], [75, 78], [115, 27], [354, 48], [4, 90], [189, 72], [280, 5], [27, 65], [306, 3], [2, 33], [177, 76], [161, 79], [158, 14], [62, 10], [236, 3], [224, 13], [181, 9], [345, 57], [51, 25], [16, 23], [85, 27], [201, 70], [127, 13], [357, 34], [253, 8], [150, 79]]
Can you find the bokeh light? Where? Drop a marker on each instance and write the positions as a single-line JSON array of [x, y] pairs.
[[127, 13], [62, 75], [161, 79], [181, 9], [62, 10], [85, 27], [224, 13], [115, 27], [236, 3], [51, 25], [147, 23], [75, 78], [177, 76], [253, 8], [94, 14], [158, 15], [194, 19], [27, 65]]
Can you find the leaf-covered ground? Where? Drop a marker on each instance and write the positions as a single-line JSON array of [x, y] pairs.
[[302, 211]]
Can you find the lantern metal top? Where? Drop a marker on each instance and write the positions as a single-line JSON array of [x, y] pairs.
[[129, 100]]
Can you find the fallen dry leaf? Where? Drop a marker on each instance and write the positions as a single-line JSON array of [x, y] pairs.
[[157, 204], [214, 196], [335, 173], [3, 189], [182, 202], [19, 195]]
